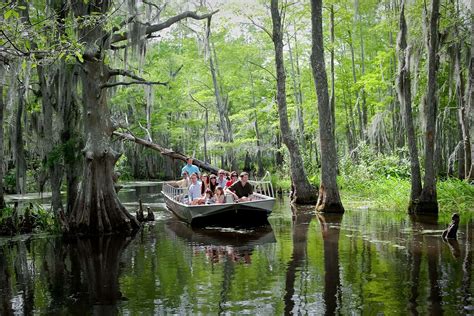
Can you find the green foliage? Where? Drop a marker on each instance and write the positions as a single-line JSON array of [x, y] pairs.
[[372, 165], [9, 180], [123, 168], [455, 195], [28, 216]]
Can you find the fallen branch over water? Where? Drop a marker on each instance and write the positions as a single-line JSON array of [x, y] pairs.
[[165, 151]]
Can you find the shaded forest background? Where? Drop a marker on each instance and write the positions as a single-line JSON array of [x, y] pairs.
[[209, 90]]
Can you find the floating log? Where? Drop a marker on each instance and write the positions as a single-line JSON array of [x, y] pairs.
[[166, 152]]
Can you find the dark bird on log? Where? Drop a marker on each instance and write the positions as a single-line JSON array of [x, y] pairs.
[[451, 231], [150, 217]]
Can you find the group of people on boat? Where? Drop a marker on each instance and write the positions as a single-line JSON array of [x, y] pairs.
[[212, 189]]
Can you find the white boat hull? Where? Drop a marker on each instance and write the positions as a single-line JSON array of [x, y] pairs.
[[260, 208]]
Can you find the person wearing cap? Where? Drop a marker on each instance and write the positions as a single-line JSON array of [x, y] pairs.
[[190, 168], [241, 190]]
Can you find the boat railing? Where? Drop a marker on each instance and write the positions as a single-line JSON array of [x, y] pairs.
[[263, 187], [172, 191]]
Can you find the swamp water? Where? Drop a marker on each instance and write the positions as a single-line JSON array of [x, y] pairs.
[[364, 262]]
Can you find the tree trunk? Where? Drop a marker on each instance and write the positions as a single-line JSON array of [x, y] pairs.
[[470, 95], [97, 209], [329, 199], [357, 102], [428, 202], [2, 159], [404, 96], [303, 192], [221, 104], [297, 95], [48, 89], [260, 171], [362, 57], [71, 137], [20, 162], [333, 86]]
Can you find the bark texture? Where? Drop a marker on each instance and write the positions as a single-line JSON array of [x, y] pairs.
[[303, 192], [329, 199], [2, 159], [97, 209], [20, 162], [404, 97], [428, 202], [470, 96]]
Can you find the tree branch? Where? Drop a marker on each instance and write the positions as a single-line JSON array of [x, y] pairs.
[[121, 83], [261, 67], [160, 26], [164, 151], [195, 100], [125, 73], [263, 28]]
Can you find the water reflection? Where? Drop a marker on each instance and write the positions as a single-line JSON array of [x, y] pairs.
[[330, 230], [301, 219], [72, 276], [370, 263], [222, 244], [425, 238]]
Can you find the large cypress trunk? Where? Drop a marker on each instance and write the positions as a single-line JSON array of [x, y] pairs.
[[329, 199], [470, 97], [97, 208], [404, 96], [303, 191], [2, 106], [427, 201]]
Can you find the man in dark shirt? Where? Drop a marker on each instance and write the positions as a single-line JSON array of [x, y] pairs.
[[241, 190]]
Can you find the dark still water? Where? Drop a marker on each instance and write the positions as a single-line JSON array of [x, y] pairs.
[[364, 262]]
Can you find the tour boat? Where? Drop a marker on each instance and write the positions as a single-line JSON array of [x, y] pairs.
[[250, 212]]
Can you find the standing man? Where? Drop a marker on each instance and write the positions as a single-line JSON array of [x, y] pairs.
[[190, 168], [221, 180], [241, 190]]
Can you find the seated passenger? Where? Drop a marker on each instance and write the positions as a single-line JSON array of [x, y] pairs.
[[213, 182], [219, 195], [204, 183], [233, 178], [209, 197], [194, 191], [241, 190], [206, 198], [222, 179], [184, 183]]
